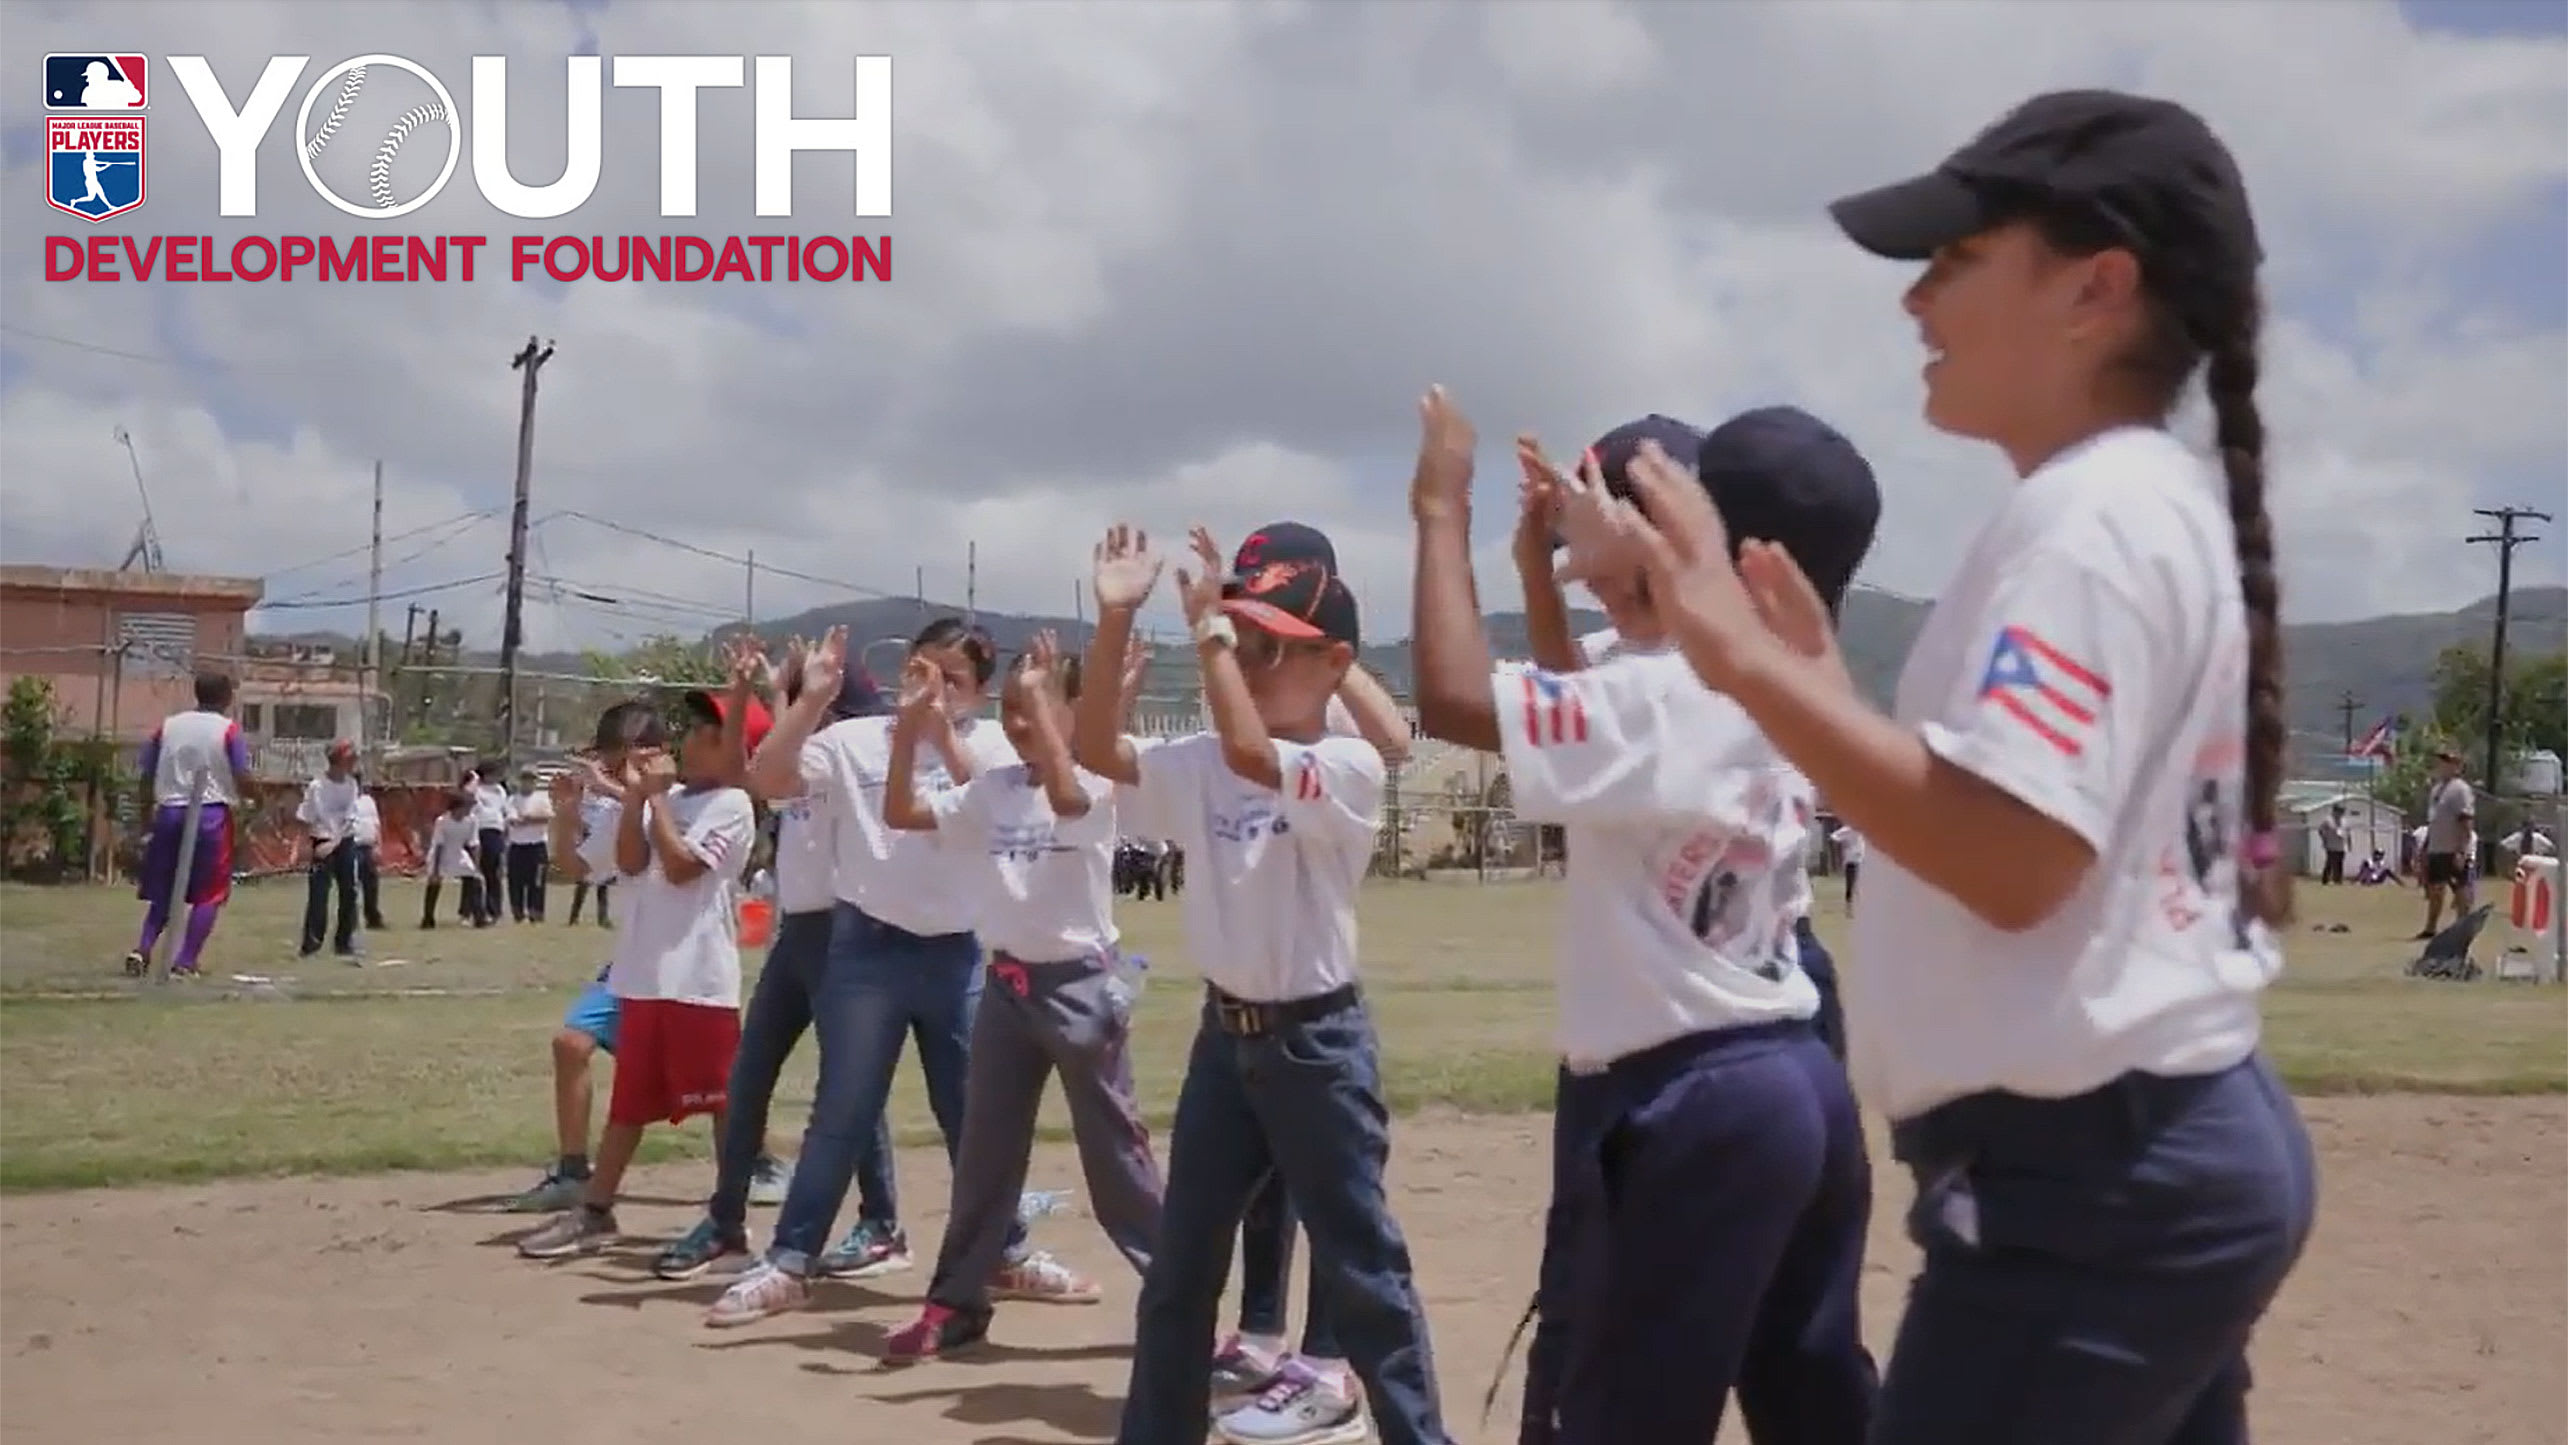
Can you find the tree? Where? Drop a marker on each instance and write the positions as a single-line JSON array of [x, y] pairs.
[[2536, 700], [46, 784], [666, 659]]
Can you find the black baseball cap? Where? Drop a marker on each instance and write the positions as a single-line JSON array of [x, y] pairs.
[[2148, 172], [1277, 543], [1778, 474], [1297, 600]]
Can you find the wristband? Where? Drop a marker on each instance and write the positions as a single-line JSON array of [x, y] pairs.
[[1216, 628]]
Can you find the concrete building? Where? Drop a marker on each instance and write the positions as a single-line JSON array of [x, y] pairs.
[[121, 648], [296, 699]]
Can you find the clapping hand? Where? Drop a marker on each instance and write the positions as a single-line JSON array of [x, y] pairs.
[[1538, 502], [1199, 592], [922, 688], [1126, 569], [1723, 614], [824, 667], [1441, 485]]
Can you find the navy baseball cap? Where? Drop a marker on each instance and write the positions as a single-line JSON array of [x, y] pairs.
[[1275, 544], [858, 696], [2148, 174], [1302, 601], [1778, 474], [1616, 450]]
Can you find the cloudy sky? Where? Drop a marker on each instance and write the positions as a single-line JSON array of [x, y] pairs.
[[1181, 263]]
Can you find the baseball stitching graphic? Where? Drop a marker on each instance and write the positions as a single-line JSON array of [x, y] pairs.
[[379, 183]]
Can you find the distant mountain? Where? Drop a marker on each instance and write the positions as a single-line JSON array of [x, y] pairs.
[[2386, 662]]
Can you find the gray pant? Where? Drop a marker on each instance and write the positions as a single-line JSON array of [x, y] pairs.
[[1035, 1018]]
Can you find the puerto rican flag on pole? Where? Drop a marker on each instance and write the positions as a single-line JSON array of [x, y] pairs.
[[2052, 695], [1554, 712], [2381, 742]]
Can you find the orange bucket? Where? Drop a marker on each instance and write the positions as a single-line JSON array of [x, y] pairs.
[[757, 922]]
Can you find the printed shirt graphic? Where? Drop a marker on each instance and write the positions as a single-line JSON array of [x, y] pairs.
[[2089, 659], [1688, 840], [188, 741], [1044, 884], [1271, 873], [681, 941], [450, 844], [903, 879]]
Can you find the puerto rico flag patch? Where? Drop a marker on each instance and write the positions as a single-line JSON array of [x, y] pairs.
[[2051, 694], [1554, 712]]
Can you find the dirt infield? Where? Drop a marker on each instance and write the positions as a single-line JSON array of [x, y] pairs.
[[2432, 1307]]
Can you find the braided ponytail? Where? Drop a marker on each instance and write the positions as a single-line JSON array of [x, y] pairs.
[[2230, 374]]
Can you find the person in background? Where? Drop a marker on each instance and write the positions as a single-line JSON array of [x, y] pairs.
[[454, 846], [365, 842], [592, 815], [2530, 842], [1850, 846], [530, 821], [2331, 844], [2451, 838], [328, 815], [203, 740], [490, 836]]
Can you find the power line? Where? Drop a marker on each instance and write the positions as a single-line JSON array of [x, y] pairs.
[[90, 347], [483, 515], [394, 596], [768, 569]]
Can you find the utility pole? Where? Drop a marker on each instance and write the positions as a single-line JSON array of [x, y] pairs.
[[2347, 704], [428, 684], [749, 597], [971, 581], [512, 628], [2505, 539], [370, 680]]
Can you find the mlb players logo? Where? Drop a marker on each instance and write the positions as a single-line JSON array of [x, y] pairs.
[[95, 82], [94, 134]]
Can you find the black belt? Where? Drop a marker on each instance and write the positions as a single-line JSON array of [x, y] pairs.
[[1242, 1019], [2106, 1122]]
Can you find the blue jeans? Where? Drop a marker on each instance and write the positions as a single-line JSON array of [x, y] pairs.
[[881, 986], [1303, 1099], [780, 1009]]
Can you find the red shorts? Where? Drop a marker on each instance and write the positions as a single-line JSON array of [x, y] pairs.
[[672, 1060]]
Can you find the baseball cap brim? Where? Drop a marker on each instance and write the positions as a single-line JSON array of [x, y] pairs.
[[1267, 617], [1912, 220]]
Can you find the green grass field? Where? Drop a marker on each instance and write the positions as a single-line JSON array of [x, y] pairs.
[[433, 1056]]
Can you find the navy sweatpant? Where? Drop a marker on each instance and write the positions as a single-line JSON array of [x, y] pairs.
[[1710, 1201], [2095, 1265]]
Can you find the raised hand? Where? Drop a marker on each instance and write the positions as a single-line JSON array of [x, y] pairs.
[[1538, 501], [652, 772], [564, 788], [1446, 441], [824, 666], [1693, 583], [1126, 569], [1791, 607], [1596, 527], [1199, 591], [1034, 670], [922, 686]]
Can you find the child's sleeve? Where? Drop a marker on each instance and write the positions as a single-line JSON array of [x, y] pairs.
[[1333, 785], [2055, 713], [597, 847], [722, 834], [963, 814], [1634, 739]]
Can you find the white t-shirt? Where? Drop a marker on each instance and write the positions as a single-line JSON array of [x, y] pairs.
[[1047, 891], [530, 817], [898, 878], [1686, 831], [450, 840], [2089, 658], [365, 822], [681, 941], [598, 819], [490, 807], [1851, 844], [328, 811], [804, 865], [1271, 873], [192, 740]]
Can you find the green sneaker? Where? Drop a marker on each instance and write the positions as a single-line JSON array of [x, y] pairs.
[[700, 1249], [579, 1231], [871, 1248], [554, 1193]]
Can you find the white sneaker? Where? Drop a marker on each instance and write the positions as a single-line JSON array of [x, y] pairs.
[[763, 1291], [1300, 1406]]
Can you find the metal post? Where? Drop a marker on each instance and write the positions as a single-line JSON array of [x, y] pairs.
[[197, 785], [371, 677], [2558, 876], [512, 625]]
